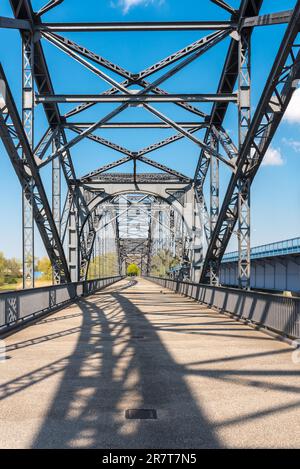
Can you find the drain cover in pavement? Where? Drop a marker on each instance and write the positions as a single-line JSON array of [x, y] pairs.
[[141, 414]]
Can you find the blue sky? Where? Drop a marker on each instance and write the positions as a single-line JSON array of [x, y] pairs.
[[276, 190]]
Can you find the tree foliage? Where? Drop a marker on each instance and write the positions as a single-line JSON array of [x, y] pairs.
[[104, 265], [162, 262], [44, 266], [10, 269], [133, 270]]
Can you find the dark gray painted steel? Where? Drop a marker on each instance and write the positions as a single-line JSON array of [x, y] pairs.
[[275, 312], [20, 305]]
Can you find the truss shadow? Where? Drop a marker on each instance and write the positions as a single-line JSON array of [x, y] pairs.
[[88, 409]]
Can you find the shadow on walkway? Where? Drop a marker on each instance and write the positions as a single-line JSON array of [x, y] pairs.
[[120, 363]]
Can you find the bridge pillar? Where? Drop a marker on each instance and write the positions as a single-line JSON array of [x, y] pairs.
[[192, 218], [214, 184], [28, 125], [56, 196], [243, 230], [72, 242]]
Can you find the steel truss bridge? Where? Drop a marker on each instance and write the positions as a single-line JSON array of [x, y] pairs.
[[101, 354], [129, 217]]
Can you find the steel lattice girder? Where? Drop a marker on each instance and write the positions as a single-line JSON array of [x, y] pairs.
[[15, 140], [226, 85], [23, 11], [275, 98]]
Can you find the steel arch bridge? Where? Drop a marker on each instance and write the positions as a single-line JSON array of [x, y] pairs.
[[165, 201]]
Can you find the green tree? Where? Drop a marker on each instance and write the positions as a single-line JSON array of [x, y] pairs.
[[2, 268], [13, 268], [162, 262], [133, 270], [44, 266]]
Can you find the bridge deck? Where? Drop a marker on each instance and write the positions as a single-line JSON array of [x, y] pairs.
[[214, 382]]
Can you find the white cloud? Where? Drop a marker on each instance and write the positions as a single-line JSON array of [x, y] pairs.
[[292, 114], [273, 157], [294, 144], [127, 4]]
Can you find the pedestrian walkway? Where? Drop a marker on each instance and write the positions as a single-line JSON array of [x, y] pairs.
[[213, 382]]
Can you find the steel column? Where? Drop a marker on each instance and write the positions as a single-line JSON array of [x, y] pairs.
[[27, 192], [243, 230], [214, 202], [72, 241], [56, 196]]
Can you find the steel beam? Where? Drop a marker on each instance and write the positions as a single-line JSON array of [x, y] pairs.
[[135, 125], [187, 134], [142, 98], [225, 6], [105, 142], [141, 26], [181, 177], [28, 188], [48, 6], [165, 142], [269, 19], [60, 45], [105, 168], [214, 185], [56, 189], [214, 201], [243, 230], [66, 146], [12, 23], [45, 142]]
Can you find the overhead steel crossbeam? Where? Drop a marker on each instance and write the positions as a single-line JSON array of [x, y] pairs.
[[143, 98], [281, 84], [264, 20], [141, 26]]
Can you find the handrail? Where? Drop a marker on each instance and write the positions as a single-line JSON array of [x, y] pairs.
[[279, 248], [18, 306], [271, 311]]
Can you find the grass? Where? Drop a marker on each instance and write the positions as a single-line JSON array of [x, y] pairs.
[[19, 285]]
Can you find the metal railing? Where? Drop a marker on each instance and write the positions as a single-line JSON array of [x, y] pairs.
[[22, 305], [280, 248], [275, 312]]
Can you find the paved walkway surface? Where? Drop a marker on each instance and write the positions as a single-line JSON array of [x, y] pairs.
[[214, 382]]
